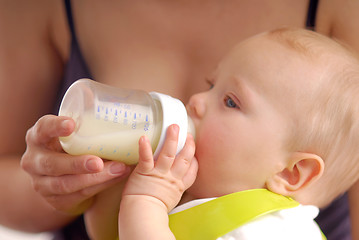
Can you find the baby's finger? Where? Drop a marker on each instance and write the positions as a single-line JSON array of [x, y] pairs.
[[183, 159], [168, 152], [145, 162], [191, 174]]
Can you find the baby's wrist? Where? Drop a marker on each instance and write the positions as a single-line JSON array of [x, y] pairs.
[[134, 200]]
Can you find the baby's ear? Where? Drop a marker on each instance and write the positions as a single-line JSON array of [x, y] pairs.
[[301, 170]]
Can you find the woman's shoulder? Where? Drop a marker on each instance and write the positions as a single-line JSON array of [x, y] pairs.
[[37, 22], [339, 19], [34, 45]]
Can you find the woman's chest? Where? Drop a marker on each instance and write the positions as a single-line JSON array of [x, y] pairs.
[[171, 46]]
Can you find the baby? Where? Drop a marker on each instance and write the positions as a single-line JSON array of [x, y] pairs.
[[280, 121]]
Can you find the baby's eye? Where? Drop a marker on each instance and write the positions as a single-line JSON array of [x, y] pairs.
[[229, 102]]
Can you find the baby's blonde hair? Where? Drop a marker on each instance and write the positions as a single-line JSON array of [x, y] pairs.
[[328, 121]]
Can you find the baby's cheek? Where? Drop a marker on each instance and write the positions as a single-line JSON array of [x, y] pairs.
[[212, 138], [205, 145], [209, 152]]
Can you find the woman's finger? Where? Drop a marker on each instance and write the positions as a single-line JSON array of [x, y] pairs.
[[77, 202], [49, 127], [68, 184], [58, 164], [40, 161]]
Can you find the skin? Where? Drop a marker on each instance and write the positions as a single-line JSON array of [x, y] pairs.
[[173, 58], [162, 183], [240, 140]]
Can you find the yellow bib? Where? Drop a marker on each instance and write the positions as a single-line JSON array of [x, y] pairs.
[[222, 215]]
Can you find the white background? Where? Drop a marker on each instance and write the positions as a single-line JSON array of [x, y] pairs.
[[9, 234]]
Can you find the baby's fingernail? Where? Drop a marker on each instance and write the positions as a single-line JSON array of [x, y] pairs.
[[92, 165], [117, 168], [143, 139], [175, 127]]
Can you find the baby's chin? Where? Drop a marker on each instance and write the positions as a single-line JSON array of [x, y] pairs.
[[186, 197], [192, 193], [196, 191]]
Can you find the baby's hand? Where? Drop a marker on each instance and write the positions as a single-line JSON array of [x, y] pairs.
[[169, 176]]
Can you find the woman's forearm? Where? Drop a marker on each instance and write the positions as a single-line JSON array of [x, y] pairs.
[[102, 217], [354, 210]]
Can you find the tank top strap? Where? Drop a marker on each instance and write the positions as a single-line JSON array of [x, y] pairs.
[[311, 14], [77, 62], [76, 66], [70, 19]]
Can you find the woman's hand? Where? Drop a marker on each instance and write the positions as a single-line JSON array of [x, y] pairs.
[[66, 182], [354, 209]]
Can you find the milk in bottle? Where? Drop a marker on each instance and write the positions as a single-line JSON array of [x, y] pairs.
[[110, 121]]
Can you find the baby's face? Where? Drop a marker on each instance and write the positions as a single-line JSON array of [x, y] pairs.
[[242, 121]]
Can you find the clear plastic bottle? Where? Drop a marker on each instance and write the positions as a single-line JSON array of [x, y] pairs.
[[110, 121]]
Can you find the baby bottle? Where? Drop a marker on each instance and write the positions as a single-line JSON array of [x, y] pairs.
[[110, 121]]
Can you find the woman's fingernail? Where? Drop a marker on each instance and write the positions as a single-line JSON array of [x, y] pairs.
[[66, 123], [92, 165], [117, 168]]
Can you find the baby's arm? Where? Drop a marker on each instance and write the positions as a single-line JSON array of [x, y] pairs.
[[155, 188]]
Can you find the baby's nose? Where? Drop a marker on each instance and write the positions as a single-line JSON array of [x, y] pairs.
[[196, 106]]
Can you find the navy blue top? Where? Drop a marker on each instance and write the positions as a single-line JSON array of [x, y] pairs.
[[333, 220], [76, 66]]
